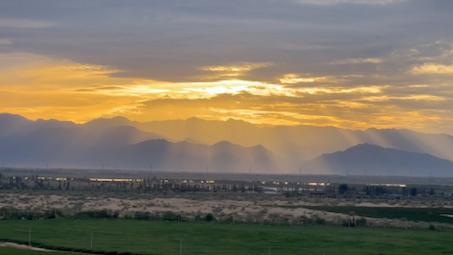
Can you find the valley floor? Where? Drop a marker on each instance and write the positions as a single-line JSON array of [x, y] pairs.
[[230, 208], [148, 237]]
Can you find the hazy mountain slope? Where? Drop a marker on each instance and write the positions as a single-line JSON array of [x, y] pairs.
[[11, 124], [300, 142], [293, 142], [64, 144], [375, 160], [61, 146], [184, 156], [439, 145], [112, 122], [208, 132], [27, 142]]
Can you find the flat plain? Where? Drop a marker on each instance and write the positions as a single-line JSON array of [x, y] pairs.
[[151, 237]]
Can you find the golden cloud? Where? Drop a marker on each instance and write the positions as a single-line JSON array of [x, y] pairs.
[[233, 70], [237, 67], [41, 87], [358, 61], [431, 68], [408, 97], [295, 78]]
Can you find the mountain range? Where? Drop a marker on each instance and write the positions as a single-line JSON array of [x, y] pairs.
[[368, 159], [222, 146], [303, 142]]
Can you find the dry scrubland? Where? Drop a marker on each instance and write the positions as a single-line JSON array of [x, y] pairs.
[[231, 208]]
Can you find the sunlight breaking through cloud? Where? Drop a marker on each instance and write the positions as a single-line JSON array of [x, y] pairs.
[[68, 90], [235, 70], [295, 78]]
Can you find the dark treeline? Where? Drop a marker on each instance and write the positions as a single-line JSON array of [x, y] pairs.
[[169, 186], [33, 182]]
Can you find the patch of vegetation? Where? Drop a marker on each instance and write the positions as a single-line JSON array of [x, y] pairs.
[[156, 237], [411, 214]]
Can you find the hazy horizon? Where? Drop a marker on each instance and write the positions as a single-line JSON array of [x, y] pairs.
[[222, 146], [222, 120]]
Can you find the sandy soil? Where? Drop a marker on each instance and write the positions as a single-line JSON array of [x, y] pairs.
[[23, 247], [177, 205]]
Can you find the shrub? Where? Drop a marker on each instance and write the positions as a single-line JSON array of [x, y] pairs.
[[320, 221], [209, 217], [361, 222]]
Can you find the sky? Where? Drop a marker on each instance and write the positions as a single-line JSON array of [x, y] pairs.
[[353, 64]]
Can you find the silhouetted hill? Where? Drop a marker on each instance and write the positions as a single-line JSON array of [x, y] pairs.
[[183, 156], [269, 149], [11, 124], [66, 146], [367, 159], [295, 142], [105, 123], [102, 143]]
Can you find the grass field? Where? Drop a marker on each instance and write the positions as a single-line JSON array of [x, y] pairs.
[[212, 238], [412, 214]]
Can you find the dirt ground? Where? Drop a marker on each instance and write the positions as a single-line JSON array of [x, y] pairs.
[[22, 246]]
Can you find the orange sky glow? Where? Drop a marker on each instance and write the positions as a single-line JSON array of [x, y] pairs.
[[294, 62], [42, 87]]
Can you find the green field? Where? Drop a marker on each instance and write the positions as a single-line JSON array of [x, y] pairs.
[[150, 237], [412, 214]]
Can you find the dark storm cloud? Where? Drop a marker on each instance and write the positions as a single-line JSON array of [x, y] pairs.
[[349, 63], [170, 40]]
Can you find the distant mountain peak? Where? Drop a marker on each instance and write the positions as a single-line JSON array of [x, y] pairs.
[[116, 118], [6, 115], [224, 143], [190, 140], [373, 159], [195, 119], [234, 120], [365, 146], [103, 122]]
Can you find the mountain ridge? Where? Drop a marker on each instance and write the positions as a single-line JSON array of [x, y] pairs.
[[284, 147], [301, 141], [370, 159]]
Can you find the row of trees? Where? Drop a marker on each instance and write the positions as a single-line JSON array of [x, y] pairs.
[[147, 185], [383, 190]]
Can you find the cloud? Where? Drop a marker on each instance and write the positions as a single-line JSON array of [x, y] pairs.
[[334, 2], [5, 42], [431, 68], [295, 78], [48, 84], [43, 87], [234, 70], [347, 111], [357, 61], [237, 67], [25, 23]]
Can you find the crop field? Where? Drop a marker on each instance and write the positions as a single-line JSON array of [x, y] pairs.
[[412, 214], [149, 237]]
